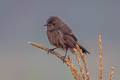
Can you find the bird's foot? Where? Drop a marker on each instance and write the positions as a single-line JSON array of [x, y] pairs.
[[63, 58], [49, 50]]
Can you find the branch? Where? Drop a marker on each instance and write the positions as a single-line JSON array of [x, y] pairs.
[[68, 61], [101, 57], [84, 61], [79, 63], [111, 74]]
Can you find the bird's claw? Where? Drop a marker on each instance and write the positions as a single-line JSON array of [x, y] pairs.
[[63, 58], [49, 50]]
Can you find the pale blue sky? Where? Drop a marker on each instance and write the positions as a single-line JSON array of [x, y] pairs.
[[22, 21]]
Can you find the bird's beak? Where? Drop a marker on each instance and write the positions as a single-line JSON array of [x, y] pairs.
[[45, 25]]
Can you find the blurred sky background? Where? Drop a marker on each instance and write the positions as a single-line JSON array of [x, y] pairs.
[[22, 21]]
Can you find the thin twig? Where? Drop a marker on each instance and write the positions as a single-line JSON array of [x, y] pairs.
[[84, 61], [101, 58], [67, 60], [112, 73], [80, 65]]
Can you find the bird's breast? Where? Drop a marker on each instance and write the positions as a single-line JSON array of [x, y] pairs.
[[56, 38]]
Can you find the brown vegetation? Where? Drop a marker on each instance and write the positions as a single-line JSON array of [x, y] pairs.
[[79, 58]]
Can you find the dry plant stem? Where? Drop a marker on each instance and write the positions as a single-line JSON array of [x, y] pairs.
[[80, 65], [101, 58], [68, 61], [112, 73], [84, 61]]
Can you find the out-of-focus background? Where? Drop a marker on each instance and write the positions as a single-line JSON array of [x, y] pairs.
[[22, 21]]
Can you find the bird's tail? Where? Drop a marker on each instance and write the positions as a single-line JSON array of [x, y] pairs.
[[84, 50]]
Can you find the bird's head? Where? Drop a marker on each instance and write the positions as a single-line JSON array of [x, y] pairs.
[[53, 22]]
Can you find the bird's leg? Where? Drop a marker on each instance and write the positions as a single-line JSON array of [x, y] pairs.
[[51, 50], [64, 56]]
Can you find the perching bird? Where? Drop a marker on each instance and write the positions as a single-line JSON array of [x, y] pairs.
[[61, 36]]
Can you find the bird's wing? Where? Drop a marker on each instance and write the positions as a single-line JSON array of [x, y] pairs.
[[65, 29], [69, 41]]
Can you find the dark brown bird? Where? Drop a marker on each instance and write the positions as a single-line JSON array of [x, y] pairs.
[[61, 36]]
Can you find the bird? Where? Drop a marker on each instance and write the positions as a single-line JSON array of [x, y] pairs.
[[61, 36]]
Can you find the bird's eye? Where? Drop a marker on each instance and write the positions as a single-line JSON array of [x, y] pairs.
[[53, 23]]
